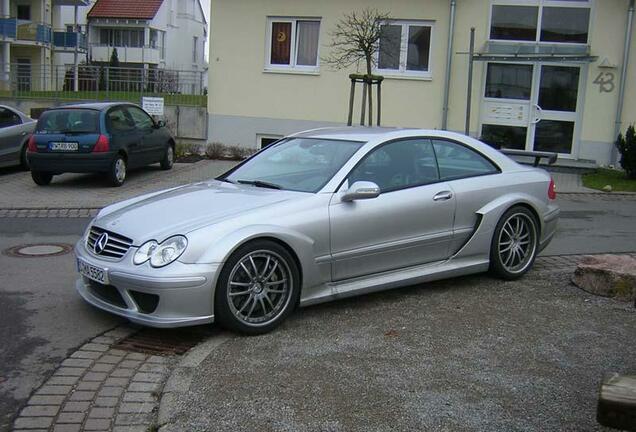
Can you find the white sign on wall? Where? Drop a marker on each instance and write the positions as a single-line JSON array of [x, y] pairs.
[[152, 105]]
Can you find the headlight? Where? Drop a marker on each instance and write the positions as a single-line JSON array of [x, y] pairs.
[[161, 254]]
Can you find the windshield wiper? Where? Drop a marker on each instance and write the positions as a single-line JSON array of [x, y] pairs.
[[260, 183]]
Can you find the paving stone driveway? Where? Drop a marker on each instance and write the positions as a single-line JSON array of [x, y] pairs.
[[91, 191]]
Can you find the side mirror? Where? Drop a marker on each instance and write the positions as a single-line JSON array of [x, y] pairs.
[[361, 190], [160, 124]]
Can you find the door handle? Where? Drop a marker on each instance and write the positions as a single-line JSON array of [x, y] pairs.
[[23, 133], [539, 111], [443, 196]]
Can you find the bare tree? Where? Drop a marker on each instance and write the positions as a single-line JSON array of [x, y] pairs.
[[356, 37]]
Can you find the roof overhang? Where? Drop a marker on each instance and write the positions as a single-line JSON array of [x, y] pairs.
[[71, 3], [534, 52]]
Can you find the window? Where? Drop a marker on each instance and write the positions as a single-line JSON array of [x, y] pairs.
[[69, 120], [508, 81], [561, 21], [456, 161], [119, 121], [8, 118], [263, 141], [121, 38], [405, 48], [141, 119], [24, 12], [195, 44], [293, 44], [398, 165], [502, 136]]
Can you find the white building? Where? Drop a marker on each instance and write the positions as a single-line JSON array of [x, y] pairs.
[[164, 34]]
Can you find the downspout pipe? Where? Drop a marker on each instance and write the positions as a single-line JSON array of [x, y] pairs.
[[621, 89], [449, 61]]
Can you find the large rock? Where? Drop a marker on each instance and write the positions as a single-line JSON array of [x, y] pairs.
[[608, 275]]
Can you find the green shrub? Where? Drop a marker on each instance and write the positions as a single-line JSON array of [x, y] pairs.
[[627, 147], [216, 151]]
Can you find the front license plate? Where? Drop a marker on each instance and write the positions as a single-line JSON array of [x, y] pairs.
[[63, 146], [92, 272]]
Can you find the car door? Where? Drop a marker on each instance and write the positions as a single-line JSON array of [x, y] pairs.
[[152, 146], [12, 135], [124, 135], [474, 180], [409, 223]]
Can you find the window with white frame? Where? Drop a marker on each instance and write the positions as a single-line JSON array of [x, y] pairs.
[[292, 44], [548, 21], [405, 48]]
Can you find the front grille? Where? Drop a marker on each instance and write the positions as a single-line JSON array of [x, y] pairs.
[[116, 246]]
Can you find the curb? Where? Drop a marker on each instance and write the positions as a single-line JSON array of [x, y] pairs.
[[180, 379]]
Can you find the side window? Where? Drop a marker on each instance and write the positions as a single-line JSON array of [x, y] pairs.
[[8, 118], [119, 121], [141, 119], [456, 161], [398, 165]]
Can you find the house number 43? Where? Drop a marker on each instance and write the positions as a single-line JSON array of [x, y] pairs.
[[605, 81]]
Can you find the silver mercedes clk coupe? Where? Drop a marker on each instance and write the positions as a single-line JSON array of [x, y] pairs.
[[316, 216]]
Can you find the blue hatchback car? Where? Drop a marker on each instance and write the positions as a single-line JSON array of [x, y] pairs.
[[107, 138]]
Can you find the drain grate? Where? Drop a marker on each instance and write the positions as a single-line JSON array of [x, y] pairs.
[[165, 342]]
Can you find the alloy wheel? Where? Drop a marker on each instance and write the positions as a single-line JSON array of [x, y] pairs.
[[259, 288], [517, 243], [120, 170]]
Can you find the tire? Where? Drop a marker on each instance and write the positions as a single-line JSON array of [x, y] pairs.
[[515, 244], [24, 162], [118, 170], [257, 289], [168, 158], [41, 178]]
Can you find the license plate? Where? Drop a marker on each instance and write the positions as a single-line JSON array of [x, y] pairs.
[[92, 272], [63, 146]]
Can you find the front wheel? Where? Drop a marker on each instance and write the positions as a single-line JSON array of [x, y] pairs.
[[515, 243], [257, 289], [41, 178], [117, 173]]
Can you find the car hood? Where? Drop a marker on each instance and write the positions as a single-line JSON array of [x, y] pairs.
[[184, 209]]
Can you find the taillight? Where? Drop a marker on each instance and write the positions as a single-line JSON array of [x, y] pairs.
[[552, 190], [31, 146], [102, 145]]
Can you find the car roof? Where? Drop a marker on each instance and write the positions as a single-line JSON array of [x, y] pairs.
[[349, 133], [99, 106]]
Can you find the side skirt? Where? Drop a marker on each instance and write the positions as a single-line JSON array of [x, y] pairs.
[[399, 278]]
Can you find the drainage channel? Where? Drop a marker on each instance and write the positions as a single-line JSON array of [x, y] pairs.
[[165, 342]]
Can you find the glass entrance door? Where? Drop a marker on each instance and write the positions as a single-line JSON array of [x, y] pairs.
[[531, 107]]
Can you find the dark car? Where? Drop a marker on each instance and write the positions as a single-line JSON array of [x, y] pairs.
[[104, 138]]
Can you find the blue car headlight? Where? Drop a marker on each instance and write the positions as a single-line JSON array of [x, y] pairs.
[[161, 254]]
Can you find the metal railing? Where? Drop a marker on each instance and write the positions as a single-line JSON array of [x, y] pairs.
[[70, 40], [102, 83]]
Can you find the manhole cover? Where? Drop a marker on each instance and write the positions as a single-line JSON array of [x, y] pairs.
[[39, 250]]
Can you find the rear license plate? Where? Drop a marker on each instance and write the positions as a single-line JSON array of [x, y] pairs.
[[92, 272], [63, 146]]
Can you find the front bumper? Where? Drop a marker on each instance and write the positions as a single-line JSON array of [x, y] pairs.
[[177, 295], [70, 162]]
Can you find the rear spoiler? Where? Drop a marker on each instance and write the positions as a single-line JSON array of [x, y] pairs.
[[551, 157]]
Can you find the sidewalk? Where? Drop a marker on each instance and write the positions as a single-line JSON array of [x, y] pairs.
[[91, 191], [570, 183]]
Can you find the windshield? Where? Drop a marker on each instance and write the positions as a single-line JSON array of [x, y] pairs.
[[69, 121], [298, 164]]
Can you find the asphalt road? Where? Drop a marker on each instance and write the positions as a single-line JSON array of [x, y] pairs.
[[42, 319]]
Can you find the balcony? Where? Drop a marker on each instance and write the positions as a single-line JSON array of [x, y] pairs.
[[147, 54], [68, 41], [34, 32]]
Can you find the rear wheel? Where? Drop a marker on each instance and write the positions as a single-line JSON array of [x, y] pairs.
[[117, 173], [41, 178], [168, 158], [515, 243], [257, 289]]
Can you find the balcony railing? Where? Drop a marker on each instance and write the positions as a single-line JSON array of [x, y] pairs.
[[145, 54], [69, 40], [8, 28]]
